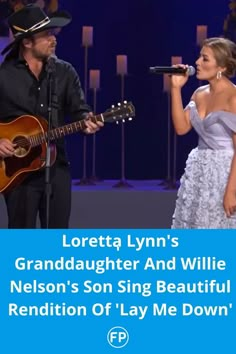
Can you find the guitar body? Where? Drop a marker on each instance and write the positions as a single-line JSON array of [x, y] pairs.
[[30, 136], [27, 158]]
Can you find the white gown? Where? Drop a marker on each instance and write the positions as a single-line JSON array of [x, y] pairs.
[[200, 196]]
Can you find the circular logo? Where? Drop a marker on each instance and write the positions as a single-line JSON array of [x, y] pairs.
[[118, 337]]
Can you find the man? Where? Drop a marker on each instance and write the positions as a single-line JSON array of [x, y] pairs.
[[24, 90]]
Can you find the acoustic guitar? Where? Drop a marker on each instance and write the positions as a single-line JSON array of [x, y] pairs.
[[31, 136]]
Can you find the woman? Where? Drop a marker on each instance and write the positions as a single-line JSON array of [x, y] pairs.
[[207, 193]]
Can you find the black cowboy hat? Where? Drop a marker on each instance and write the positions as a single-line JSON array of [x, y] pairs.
[[31, 19]]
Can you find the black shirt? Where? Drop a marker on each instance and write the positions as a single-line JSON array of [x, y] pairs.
[[21, 93]]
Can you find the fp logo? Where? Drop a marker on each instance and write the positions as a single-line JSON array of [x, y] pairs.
[[118, 337]]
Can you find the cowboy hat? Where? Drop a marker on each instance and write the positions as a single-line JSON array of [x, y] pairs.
[[31, 19]]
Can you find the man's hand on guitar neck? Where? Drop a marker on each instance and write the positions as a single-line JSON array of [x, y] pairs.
[[7, 148], [92, 127]]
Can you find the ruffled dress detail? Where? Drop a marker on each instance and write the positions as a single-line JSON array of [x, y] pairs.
[[200, 196]]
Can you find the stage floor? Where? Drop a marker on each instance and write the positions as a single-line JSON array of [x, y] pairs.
[[147, 204]]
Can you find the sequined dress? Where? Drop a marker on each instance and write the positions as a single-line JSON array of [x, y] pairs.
[[200, 196]]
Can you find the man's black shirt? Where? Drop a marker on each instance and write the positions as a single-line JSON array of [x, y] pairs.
[[21, 93]]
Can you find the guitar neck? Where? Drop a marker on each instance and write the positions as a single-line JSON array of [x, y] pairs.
[[114, 114], [60, 132]]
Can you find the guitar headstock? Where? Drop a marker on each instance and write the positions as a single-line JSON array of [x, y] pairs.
[[121, 112]]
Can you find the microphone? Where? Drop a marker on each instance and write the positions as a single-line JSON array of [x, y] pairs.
[[190, 70]]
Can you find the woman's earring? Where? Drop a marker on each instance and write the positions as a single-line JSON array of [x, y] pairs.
[[219, 75]]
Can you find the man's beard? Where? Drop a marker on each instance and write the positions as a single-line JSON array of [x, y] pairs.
[[43, 56]]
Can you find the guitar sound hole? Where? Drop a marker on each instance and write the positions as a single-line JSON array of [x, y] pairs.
[[23, 146]]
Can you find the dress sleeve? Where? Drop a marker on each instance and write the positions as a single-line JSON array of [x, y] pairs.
[[228, 119], [190, 105]]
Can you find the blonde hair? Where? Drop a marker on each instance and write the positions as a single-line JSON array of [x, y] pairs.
[[224, 51]]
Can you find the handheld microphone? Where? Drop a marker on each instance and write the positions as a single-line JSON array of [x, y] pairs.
[[190, 70]]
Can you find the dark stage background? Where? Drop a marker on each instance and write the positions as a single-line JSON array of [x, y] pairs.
[[149, 32]]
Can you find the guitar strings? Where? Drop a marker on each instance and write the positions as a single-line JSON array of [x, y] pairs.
[[38, 139]]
